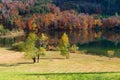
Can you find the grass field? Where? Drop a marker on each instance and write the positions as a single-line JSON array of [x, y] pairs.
[[53, 66], [59, 76]]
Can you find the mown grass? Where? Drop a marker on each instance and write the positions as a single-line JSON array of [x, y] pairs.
[[53, 66], [58, 76]]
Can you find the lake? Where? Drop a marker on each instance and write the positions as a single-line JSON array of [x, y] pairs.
[[81, 36]]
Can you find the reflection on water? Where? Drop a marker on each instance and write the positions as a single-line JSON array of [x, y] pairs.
[[81, 36]]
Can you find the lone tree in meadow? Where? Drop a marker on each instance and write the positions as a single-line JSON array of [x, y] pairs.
[[30, 47], [64, 45]]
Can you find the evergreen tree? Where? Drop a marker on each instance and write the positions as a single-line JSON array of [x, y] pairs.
[[41, 6]]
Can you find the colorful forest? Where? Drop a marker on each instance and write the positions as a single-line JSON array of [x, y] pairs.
[[44, 15]]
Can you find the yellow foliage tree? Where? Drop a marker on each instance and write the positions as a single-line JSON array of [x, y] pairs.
[[44, 40], [41, 45], [64, 45], [97, 22]]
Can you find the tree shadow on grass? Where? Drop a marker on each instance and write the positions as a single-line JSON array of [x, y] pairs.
[[99, 60], [21, 63], [51, 58], [15, 64], [8, 65], [25, 63], [58, 74]]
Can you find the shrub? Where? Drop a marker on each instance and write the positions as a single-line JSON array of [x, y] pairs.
[[19, 46], [42, 51], [83, 51], [117, 53], [110, 53], [73, 49], [2, 30]]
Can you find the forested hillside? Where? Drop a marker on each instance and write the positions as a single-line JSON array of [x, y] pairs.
[[58, 14], [90, 6]]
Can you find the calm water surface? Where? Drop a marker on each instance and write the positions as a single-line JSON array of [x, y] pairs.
[[82, 36]]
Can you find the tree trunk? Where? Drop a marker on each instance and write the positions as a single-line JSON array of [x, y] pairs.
[[38, 58], [34, 60]]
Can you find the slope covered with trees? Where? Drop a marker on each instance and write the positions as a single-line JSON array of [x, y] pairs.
[[90, 6], [39, 15]]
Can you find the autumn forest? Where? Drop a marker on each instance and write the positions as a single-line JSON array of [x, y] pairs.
[[46, 15]]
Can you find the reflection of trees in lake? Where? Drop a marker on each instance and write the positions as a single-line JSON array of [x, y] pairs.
[[111, 35], [83, 36]]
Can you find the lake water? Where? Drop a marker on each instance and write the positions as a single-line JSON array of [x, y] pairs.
[[84, 36], [81, 36]]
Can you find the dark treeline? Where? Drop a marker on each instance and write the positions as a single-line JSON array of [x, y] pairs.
[[90, 6]]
